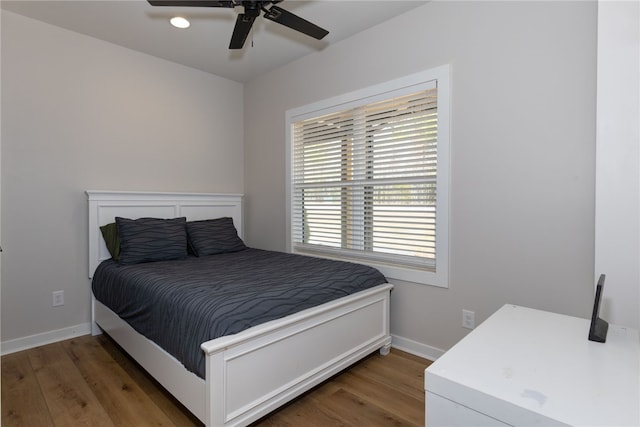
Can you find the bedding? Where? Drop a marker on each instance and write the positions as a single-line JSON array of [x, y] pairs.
[[151, 239], [111, 239], [180, 304], [213, 236]]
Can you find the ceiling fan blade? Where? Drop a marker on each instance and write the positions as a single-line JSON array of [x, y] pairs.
[[288, 19], [191, 3], [244, 22]]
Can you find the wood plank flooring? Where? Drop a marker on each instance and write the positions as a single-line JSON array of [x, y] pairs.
[[90, 381]]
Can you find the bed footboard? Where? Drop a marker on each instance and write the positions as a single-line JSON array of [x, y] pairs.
[[251, 373], [254, 372]]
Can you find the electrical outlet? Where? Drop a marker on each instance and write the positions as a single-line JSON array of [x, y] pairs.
[[58, 298], [468, 319]]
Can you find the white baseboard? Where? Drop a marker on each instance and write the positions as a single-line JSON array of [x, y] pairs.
[[19, 344], [25, 343], [416, 348]]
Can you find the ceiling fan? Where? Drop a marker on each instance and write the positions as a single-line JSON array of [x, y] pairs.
[[252, 9]]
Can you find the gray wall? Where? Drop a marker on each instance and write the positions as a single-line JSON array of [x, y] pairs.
[[523, 152], [617, 232], [77, 114]]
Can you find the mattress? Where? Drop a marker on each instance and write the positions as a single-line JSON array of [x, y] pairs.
[[180, 304]]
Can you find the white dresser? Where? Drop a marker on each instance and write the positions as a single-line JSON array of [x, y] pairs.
[[528, 367]]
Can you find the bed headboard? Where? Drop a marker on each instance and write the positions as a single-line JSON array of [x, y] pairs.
[[104, 206]]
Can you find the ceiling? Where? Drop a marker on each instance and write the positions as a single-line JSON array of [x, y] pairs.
[[137, 25]]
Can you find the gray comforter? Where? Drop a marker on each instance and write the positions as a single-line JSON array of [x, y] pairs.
[[181, 304]]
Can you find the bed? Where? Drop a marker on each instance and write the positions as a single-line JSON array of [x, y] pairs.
[[251, 372]]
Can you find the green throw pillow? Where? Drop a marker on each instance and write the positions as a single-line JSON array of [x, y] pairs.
[[111, 239]]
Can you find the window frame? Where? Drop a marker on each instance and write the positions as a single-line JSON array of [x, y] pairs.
[[407, 84]]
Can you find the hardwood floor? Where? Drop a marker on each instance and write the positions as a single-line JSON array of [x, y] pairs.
[[90, 381]]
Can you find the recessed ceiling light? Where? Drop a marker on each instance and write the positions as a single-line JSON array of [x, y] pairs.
[[179, 22]]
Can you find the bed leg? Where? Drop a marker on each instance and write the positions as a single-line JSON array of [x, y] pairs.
[[95, 329], [385, 349]]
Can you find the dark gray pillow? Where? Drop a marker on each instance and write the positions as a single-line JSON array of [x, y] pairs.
[[151, 239], [213, 236]]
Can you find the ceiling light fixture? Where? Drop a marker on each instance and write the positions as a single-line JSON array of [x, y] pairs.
[[179, 22]]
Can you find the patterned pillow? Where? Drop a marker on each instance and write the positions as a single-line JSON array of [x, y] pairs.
[[151, 239], [213, 236]]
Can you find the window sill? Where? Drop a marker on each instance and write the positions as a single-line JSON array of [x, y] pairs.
[[391, 272]]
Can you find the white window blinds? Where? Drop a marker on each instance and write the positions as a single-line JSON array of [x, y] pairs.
[[364, 181]]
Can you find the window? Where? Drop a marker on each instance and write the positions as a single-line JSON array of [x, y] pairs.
[[369, 177]]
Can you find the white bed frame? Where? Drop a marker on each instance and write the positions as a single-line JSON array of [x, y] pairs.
[[251, 373]]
